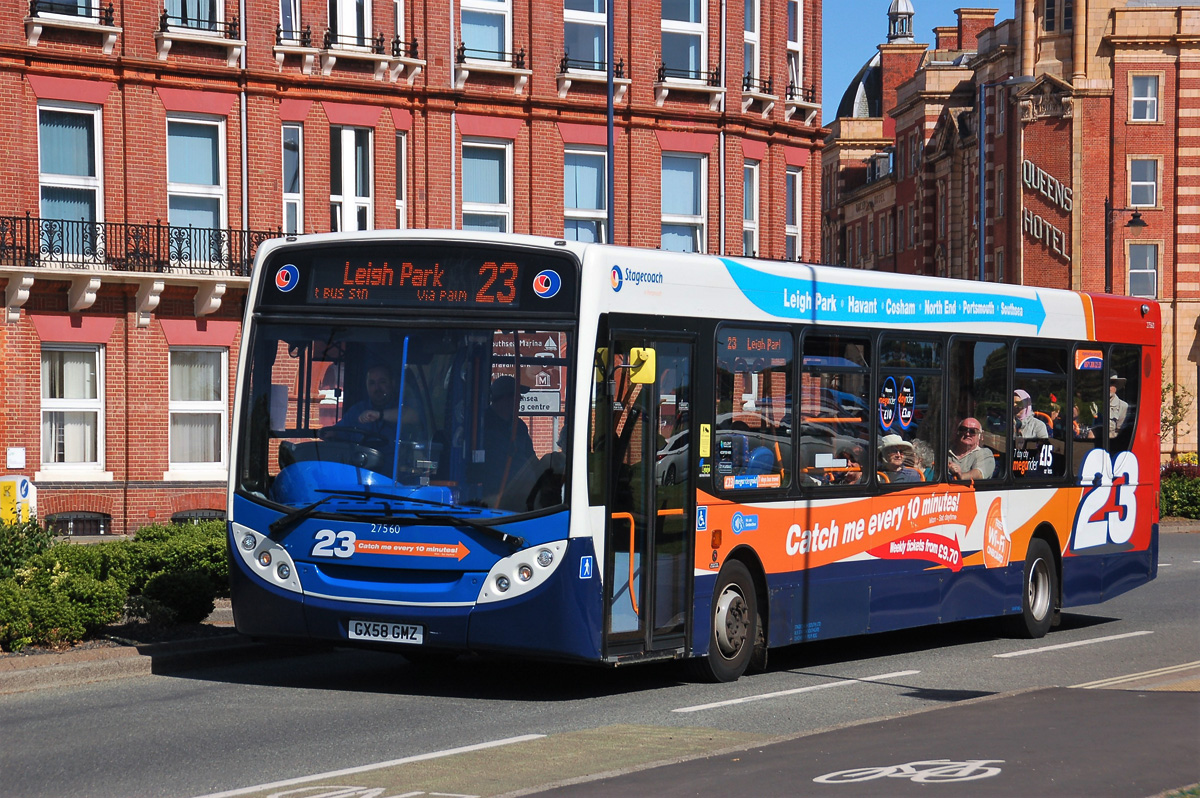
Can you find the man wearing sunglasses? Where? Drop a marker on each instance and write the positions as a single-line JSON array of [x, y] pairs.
[[968, 460]]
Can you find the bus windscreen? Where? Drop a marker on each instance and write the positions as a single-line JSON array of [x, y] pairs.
[[414, 275]]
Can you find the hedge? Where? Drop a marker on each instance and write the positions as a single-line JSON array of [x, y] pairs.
[[54, 594]]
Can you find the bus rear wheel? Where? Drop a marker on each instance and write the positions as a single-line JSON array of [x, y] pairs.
[[734, 625], [1039, 592]]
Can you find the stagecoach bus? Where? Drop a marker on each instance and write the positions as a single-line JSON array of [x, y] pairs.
[[450, 442]]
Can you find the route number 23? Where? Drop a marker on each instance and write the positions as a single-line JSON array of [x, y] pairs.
[[334, 544], [1108, 507]]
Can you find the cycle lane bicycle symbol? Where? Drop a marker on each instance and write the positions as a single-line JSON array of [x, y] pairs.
[[924, 771]]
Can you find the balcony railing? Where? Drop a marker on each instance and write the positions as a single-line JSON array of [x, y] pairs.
[[516, 59], [29, 242], [100, 13], [761, 85], [230, 29], [806, 94], [286, 36], [712, 77], [566, 64]]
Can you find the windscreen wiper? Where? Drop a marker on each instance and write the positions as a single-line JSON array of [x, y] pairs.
[[516, 541], [285, 521]]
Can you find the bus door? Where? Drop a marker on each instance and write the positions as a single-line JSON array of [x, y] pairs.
[[650, 493]]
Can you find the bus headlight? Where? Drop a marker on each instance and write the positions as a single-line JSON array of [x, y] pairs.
[[264, 558], [545, 557], [285, 571], [248, 543], [502, 583], [524, 572]]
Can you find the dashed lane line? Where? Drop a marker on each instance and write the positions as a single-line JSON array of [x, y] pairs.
[[781, 693], [376, 766], [1089, 642]]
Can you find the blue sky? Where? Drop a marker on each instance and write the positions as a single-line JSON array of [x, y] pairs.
[[854, 27]]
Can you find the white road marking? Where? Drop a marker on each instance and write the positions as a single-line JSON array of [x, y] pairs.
[[1164, 565], [809, 689], [1023, 652], [1133, 677], [378, 765]]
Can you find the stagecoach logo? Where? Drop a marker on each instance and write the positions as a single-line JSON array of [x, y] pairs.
[[287, 278], [617, 278], [546, 283]]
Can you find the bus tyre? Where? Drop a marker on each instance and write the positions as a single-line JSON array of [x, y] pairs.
[[1039, 593], [734, 620]]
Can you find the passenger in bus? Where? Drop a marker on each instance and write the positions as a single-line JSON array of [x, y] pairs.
[[1118, 408], [893, 452], [1025, 423], [968, 460], [924, 459], [1054, 426], [507, 445], [1081, 432]]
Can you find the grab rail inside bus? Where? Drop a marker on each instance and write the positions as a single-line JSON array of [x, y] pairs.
[[632, 538]]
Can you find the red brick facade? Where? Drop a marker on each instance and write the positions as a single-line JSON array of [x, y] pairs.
[[120, 297]]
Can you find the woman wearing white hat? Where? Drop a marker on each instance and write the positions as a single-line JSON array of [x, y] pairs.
[[892, 453]]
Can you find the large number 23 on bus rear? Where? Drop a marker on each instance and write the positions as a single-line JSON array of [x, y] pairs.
[[334, 544], [1107, 511]]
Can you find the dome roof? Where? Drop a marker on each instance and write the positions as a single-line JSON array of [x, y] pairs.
[[864, 96], [901, 7]]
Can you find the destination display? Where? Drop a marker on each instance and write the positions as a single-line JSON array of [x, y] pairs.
[[416, 275]]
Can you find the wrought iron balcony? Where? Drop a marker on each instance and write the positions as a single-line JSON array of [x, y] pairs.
[[100, 13], [30, 242], [566, 64], [806, 94], [760, 85], [302, 38], [515, 59], [711, 78], [230, 28]]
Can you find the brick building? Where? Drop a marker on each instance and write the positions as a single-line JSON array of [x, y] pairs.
[[1090, 112], [149, 149]]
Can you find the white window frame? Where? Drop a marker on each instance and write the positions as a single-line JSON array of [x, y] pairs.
[[1001, 95], [1150, 101], [793, 183], [1000, 198], [93, 183], [215, 470], [1134, 185], [343, 23], [398, 17], [492, 7], [344, 208], [84, 470], [750, 207], [215, 26], [752, 39], [1130, 271], [290, 32], [900, 229], [401, 180], [914, 154], [592, 19], [600, 216], [293, 200], [503, 209], [697, 29], [218, 191], [795, 47], [697, 222]]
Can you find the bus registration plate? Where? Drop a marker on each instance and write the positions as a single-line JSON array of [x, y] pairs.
[[387, 632]]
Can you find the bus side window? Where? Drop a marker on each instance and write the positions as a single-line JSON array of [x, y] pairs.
[[1087, 403], [835, 418], [754, 408], [978, 381], [1124, 372], [1040, 384]]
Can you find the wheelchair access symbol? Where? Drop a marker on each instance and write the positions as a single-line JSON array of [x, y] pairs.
[[701, 519]]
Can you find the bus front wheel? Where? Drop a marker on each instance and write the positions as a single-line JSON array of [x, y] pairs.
[[1039, 591], [734, 623]]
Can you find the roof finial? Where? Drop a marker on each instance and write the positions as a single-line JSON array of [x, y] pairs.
[[900, 16]]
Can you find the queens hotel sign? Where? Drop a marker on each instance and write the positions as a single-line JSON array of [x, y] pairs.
[[1037, 228]]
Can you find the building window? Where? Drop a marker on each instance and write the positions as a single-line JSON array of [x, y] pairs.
[[750, 208], [1001, 107], [683, 193], [585, 195], [1144, 107], [912, 225], [1068, 20], [750, 39], [401, 180], [870, 236], [795, 43], [486, 186], [1143, 182], [486, 28], [289, 21], [293, 179], [197, 516], [1048, 18], [1143, 270], [999, 192], [684, 38], [198, 402], [398, 17], [195, 14], [196, 173], [69, 173], [999, 275], [900, 228], [584, 40], [72, 406], [791, 221], [350, 22], [79, 524], [914, 154], [351, 194]]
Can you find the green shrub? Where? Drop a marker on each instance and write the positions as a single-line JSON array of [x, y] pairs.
[[19, 542], [1180, 496], [16, 624], [187, 594]]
